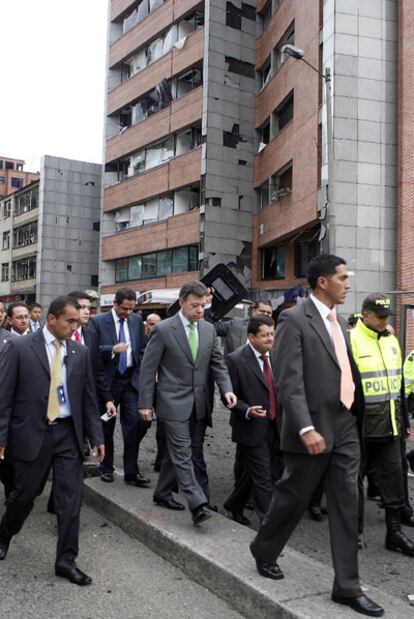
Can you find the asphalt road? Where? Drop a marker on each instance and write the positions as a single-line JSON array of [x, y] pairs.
[[378, 567], [130, 581]]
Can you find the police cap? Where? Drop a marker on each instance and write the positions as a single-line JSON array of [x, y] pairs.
[[378, 303]]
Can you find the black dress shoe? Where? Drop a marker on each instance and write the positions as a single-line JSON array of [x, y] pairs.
[[4, 546], [137, 480], [75, 575], [240, 518], [315, 513], [108, 477], [212, 508], [407, 520], [361, 604], [169, 503], [268, 569], [200, 514]]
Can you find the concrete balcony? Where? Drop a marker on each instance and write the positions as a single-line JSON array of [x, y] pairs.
[[149, 28], [178, 172], [175, 231], [182, 113], [169, 65], [25, 251]]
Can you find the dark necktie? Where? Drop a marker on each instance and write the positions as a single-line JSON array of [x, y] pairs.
[[267, 371], [122, 363]]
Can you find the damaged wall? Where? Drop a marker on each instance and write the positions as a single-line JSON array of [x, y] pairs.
[[228, 135]]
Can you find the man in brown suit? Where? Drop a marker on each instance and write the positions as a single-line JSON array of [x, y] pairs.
[[319, 395]]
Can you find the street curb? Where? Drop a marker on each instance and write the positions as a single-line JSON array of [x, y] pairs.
[[216, 555]]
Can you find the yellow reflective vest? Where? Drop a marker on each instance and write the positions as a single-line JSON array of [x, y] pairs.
[[378, 357], [409, 374]]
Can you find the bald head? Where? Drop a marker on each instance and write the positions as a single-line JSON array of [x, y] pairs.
[[151, 321]]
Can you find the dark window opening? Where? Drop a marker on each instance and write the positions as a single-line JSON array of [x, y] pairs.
[[16, 182], [287, 39], [281, 182], [264, 74], [305, 251], [273, 262], [265, 16], [284, 113], [96, 226], [232, 138], [265, 132], [24, 269], [240, 67], [9, 165], [94, 281]]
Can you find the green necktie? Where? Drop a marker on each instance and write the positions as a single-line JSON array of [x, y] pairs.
[[53, 408], [193, 340]]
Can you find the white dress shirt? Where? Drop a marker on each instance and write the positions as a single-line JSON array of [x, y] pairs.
[[64, 409], [186, 325], [130, 361], [260, 361]]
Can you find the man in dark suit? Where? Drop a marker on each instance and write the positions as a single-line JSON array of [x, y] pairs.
[[253, 420], [6, 469], [42, 424], [122, 342], [35, 316], [180, 353], [319, 393]]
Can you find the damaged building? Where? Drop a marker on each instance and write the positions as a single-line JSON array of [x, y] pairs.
[[217, 143]]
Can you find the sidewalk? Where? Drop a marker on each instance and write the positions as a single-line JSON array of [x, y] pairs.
[[216, 555]]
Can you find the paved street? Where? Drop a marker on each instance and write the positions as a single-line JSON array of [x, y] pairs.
[[378, 567], [130, 581]]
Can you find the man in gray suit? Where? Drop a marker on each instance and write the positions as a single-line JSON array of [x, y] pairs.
[[234, 331], [180, 353], [320, 398]]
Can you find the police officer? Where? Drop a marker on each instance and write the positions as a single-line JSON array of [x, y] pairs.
[[409, 394], [378, 356]]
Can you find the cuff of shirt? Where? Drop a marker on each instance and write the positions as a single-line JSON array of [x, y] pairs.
[[307, 429], [247, 414]]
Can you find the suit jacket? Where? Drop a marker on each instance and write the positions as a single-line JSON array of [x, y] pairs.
[[307, 376], [5, 337], [104, 325], [250, 387], [234, 333], [182, 384], [91, 340], [24, 393]]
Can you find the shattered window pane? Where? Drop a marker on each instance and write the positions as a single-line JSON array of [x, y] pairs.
[[137, 163], [165, 207], [136, 215], [135, 267], [164, 262]]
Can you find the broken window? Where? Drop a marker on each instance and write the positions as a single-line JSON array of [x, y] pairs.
[[166, 207], [136, 216], [234, 14], [287, 39], [265, 16], [263, 195], [284, 113], [232, 138], [122, 219], [273, 262], [136, 163], [240, 67], [144, 8], [26, 201], [281, 182], [157, 264], [265, 74], [188, 81], [121, 270], [135, 267], [264, 132], [305, 251], [164, 262], [6, 209]]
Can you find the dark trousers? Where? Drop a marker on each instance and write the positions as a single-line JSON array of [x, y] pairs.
[[133, 427], [292, 494], [407, 508], [243, 474], [386, 460], [255, 478], [178, 464], [61, 452], [7, 474]]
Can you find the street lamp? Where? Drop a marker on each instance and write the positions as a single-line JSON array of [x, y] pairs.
[[328, 211]]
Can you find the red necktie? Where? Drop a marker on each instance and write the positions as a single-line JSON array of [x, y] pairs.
[[77, 337], [267, 371]]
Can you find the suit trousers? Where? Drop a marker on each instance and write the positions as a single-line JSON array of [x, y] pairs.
[[7, 474], [256, 478], [60, 451], [167, 480], [178, 463], [133, 427], [292, 494]]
